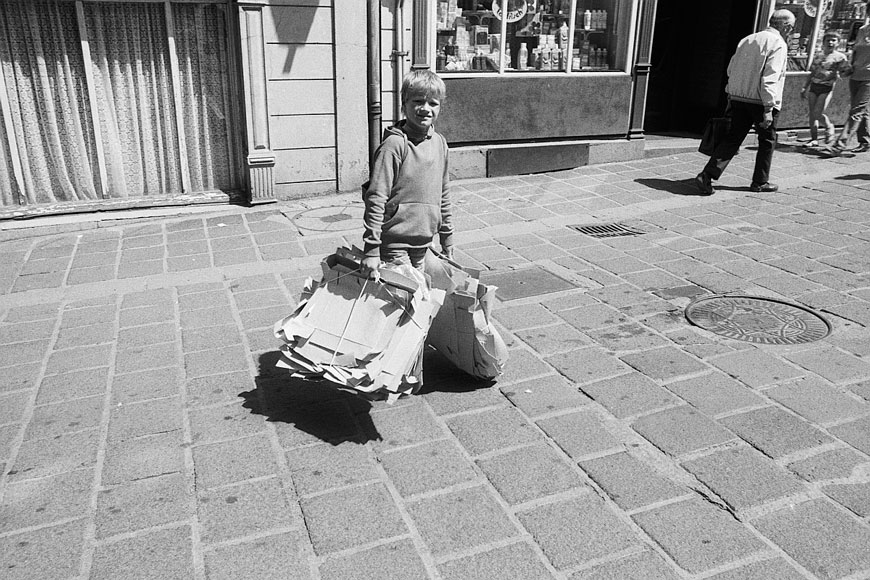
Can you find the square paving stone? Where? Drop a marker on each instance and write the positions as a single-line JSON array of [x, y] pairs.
[[405, 425], [144, 457], [460, 520], [553, 339], [211, 337], [629, 482], [744, 478], [232, 461], [74, 385], [69, 360], [715, 393], [140, 336], [522, 365], [253, 507], [24, 352], [579, 434], [681, 430], [824, 539], [523, 316], [492, 429], [331, 421], [142, 504], [427, 467], [217, 298], [757, 368], [318, 468], [577, 530], [664, 364], [53, 552], [148, 384], [593, 316], [41, 501], [19, 377], [698, 535], [271, 558], [626, 337], [45, 457], [33, 312], [526, 282], [393, 561], [215, 361], [57, 418], [644, 566], [818, 402], [457, 392], [832, 364], [775, 432], [629, 394], [587, 364], [145, 418], [159, 312], [223, 422], [529, 473], [856, 434], [12, 407], [8, 435], [351, 517], [514, 562], [147, 357], [774, 569], [545, 395], [218, 388], [157, 555], [834, 464], [852, 496], [220, 316]]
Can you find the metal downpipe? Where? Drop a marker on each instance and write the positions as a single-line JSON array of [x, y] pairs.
[[374, 74]]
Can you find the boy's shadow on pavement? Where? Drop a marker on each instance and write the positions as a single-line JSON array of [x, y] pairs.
[[322, 410]]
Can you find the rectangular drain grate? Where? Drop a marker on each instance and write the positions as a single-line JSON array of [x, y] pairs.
[[606, 230]]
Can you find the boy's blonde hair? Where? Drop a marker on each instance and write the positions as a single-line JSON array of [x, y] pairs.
[[423, 82]]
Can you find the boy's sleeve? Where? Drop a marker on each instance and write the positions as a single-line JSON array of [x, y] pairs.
[[385, 166], [445, 232]]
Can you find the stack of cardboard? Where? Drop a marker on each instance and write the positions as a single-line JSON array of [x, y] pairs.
[[463, 331], [361, 334]]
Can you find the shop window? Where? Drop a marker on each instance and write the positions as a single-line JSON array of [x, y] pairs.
[[531, 36], [813, 18]]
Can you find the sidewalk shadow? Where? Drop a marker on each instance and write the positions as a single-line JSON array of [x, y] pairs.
[[318, 408], [676, 187], [855, 177], [441, 375]]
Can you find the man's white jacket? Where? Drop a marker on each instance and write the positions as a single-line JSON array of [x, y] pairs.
[[756, 73]]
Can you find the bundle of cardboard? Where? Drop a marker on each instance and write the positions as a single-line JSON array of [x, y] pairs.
[[368, 335]]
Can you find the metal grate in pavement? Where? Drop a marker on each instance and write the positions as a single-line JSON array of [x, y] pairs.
[[613, 230]]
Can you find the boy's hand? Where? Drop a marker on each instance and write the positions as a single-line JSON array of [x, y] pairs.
[[369, 267], [447, 251], [804, 93]]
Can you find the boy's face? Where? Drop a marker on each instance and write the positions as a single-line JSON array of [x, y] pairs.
[[830, 42], [421, 111]]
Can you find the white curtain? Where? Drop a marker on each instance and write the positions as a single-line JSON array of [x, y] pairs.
[[40, 56], [42, 65], [203, 62], [133, 86]]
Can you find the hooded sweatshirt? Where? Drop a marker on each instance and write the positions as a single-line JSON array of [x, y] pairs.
[[756, 72], [407, 200]]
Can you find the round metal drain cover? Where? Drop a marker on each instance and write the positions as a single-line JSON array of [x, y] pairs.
[[754, 319]]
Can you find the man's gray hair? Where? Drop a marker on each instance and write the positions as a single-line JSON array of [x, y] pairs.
[[780, 17]]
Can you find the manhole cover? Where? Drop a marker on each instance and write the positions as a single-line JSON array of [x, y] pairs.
[[761, 320], [524, 283]]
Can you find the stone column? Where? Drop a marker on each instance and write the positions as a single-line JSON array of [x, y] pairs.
[[260, 159], [640, 73]]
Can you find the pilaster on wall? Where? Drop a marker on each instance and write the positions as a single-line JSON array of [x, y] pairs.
[[643, 50], [260, 159]]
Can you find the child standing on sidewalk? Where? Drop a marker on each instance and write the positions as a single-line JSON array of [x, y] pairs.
[[826, 68], [407, 198]]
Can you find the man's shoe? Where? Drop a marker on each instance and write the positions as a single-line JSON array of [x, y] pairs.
[[764, 187], [863, 147], [705, 185]]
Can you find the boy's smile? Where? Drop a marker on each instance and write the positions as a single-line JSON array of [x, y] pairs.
[[421, 112]]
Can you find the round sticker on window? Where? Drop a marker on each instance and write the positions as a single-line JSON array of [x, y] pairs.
[[516, 9]]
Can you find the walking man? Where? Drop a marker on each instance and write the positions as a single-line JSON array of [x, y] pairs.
[[756, 75]]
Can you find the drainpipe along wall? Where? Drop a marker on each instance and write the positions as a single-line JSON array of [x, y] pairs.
[[399, 54], [374, 75]]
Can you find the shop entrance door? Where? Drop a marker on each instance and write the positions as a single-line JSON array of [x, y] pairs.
[[109, 101], [692, 44]]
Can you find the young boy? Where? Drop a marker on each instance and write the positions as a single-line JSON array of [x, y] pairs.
[[826, 68], [407, 201]]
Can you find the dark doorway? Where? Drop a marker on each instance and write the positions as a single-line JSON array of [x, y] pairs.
[[692, 44]]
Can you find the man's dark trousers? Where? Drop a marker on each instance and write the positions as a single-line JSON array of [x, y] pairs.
[[743, 117]]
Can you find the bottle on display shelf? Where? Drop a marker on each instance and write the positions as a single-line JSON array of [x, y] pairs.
[[546, 55], [536, 58], [604, 61], [563, 35], [575, 59], [523, 57], [587, 20]]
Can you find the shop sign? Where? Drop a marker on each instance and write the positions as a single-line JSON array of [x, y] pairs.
[[516, 9]]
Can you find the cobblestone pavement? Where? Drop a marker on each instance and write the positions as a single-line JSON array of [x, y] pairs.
[[145, 433]]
